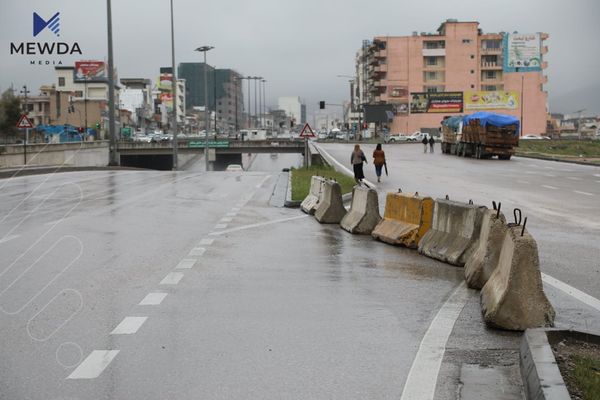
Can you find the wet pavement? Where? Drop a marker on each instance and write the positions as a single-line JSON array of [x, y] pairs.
[[238, 299]]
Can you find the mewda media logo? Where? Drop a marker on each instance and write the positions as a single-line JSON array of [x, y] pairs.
[[39, 24]]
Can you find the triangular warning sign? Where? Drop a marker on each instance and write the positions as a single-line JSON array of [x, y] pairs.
[[307, 131], [24, 122]]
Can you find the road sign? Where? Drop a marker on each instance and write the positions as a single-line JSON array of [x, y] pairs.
[[307, 131], [24, 122], [198, 144]]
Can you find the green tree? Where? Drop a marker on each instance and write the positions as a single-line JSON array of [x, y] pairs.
[[10, 112]]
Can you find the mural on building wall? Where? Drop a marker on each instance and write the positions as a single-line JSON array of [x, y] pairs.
[[491, 100], [89, 71], [522, 52], [436, 102]]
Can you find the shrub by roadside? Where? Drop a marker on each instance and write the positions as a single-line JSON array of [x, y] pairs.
[[301, 180]]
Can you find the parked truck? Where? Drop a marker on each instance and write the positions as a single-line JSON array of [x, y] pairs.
[[481, 135]]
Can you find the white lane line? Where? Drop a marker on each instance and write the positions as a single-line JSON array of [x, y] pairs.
[[153, 299], [263, 181], [549, 167], [549, 187], [225, 219], [523, 182], [571, 291], [585, 193], [550, 175], [573, 178], [343, 167], [8, 238], [206, 242], [129, 326], [231, 214], [240, 228], [186, 263], [197, 251], [597, 175], [220, 226], [422, 377], [94, 364], [172, 278]]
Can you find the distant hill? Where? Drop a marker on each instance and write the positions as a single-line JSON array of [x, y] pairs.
[[588, 98]]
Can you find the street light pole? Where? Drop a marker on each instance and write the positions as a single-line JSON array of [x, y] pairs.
[[113, 157], [264, 82], [249, 108], [205, 49], [174, 91]]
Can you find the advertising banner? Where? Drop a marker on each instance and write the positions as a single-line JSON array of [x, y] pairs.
[[165, 81], [398, 92], [167, 100], [90, 71], [522, 52], [436, 102], [491, 100]]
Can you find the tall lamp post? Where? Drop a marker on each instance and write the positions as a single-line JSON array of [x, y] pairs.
[[352, 79], [113, 157], [205, 49], [264, 82], [174, 91]]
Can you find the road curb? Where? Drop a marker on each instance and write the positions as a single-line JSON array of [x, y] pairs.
[[289, 203], [556, 159]]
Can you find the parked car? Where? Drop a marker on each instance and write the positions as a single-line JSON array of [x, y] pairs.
[[531, 137], [396, 137], [416, 137]]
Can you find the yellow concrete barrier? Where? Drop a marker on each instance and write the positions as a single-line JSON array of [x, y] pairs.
[[406, 219]]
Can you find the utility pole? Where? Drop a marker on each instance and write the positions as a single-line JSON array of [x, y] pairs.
[[249, 108], [264, 100], [113, 156], [205, 49], [25, 92], [174, 91]]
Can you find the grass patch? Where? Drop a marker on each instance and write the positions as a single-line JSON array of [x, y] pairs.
[[587, 375], [561, 148], [301, 180]]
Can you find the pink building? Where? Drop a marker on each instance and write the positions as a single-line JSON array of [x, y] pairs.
[[457, 70]]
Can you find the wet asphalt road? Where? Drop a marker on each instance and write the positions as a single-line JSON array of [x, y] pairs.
[[245, 300]]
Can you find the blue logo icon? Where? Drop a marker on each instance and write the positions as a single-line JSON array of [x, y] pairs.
[[39, 24]]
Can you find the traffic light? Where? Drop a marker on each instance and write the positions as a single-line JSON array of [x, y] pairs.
[[321, 105], [97, 125]]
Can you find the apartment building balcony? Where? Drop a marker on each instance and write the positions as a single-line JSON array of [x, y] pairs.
[[492, 81], [491, 50], [381, 68], [491, 65], [440, 52], [380, 54], [439, 67]]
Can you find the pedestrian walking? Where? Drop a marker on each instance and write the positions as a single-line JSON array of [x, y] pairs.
[[431, 143], [424, 141], [356, 159], [378, 161]]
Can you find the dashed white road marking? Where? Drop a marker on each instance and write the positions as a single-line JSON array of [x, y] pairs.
[[263, 181], [206, 242], [225, 219], [197, 251], [172, 278], [9, 238], [571, 291], [549, 187], [153, 299], [523, 182], [94, 364], [422, 377], [585, 193], [129, 326], [231, 214], [573, 178], [186, 263], [220, 226], [241, 228]]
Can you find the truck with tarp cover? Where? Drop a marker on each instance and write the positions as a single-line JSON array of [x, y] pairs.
[[451, 133], [483, 135]]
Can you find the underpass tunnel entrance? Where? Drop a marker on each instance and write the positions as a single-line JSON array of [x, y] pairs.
[[223, 160], [161, 162]]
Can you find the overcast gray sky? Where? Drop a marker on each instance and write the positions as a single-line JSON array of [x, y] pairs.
[[298, 46]]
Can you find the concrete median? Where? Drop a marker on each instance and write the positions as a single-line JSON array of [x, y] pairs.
[[513, 298], [330, 209], [480, 266], [364, 211], [310, 202], [406, 220], [454, 232]]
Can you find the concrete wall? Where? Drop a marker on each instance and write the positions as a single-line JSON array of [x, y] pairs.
[[83, 154]]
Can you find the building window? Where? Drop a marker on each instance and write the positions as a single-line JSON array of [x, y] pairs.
[[434, 44], [61, 81], [472, 71], [491, 44], [472, 56], [430, 60], [466, 41], [472, 86], [490, 75], [431, 76]]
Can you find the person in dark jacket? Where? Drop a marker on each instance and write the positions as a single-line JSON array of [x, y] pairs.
[[356, 159], [431, 143], [378, 161], [424, 141]]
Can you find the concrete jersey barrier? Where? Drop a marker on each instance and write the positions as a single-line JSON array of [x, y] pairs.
[[330, 209], [310, 202], [406, 220], [454, 232], [513, 298], [480, 266], [364, 211]]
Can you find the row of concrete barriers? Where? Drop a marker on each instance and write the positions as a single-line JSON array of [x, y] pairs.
[[498, 258]]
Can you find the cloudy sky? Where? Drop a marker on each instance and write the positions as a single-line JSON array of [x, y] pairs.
[[298, 46]]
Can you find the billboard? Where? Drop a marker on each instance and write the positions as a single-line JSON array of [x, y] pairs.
[[165, 81], [167, 100], [491, 100], [90, 71], [436, 102], [398, 92], [522, 52]]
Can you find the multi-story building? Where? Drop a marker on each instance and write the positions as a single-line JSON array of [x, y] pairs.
[[38, 107], [294, 108], [136, 97], [224, 93], [456, 70]]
